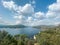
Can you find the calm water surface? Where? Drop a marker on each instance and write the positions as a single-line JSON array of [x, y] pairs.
[[29, 31]]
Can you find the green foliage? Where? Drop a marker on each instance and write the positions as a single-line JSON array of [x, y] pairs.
[[49, 37], [7, 39], [21, 39]]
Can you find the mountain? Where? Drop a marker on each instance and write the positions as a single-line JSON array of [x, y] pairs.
[[12, 26]]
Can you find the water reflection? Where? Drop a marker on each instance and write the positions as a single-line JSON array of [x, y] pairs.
[[28, 31]]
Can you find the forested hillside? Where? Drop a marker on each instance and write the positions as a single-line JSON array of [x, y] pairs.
[[50, 36]]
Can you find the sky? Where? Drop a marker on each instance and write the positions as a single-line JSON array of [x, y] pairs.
[[29, 12]]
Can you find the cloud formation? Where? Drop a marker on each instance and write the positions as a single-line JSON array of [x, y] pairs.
[[26, 14], [54, 12]]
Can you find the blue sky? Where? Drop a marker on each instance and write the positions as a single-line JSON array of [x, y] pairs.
[[30, 12]]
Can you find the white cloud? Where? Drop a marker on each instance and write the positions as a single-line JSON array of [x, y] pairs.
[[19, 17], [12, 6], [27, 9], [19, 22], [54, 13], [8, 4], [26, 14], [51, 14], [21, 11], [58, 1], [29, 20], [39, 15], [54, 9]]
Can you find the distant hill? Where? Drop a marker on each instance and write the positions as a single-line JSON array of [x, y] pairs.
[[44, 27], [12, 26]]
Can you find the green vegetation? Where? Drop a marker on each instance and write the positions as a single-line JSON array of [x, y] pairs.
[[50, 36], [7, 39]]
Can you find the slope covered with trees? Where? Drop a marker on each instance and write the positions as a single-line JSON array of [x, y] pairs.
[[51, 36], [7, 39]]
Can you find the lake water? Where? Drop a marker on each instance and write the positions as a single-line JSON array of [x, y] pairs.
[[29, 31]]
